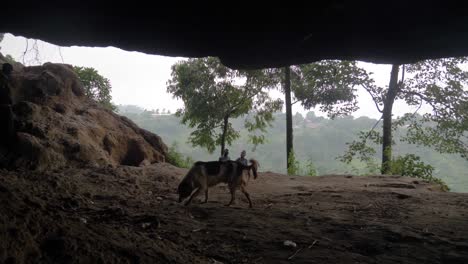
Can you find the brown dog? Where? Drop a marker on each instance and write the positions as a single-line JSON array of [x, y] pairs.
[[203, 175]]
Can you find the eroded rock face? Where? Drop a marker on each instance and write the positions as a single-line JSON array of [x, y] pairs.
[[58, 126]]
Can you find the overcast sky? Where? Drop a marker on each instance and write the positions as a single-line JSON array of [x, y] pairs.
[[140, 79]]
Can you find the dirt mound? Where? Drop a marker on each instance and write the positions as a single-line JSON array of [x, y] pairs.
[[130, 215], [58, 126]]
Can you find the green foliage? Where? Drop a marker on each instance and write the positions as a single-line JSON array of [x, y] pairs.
[[372, 167], [441, 84], [212, 94], [330, 84], [175, 158], [317, 138], [411, 165], [296, 167], [293, 164], [437, 83], [310, 169], [407, 165], [96, 86], [360, 149]]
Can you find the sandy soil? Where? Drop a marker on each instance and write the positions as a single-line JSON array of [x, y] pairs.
[[130, 215]]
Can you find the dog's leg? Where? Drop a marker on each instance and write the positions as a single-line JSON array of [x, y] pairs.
[[232, 189], [193, 196], [246, 195]]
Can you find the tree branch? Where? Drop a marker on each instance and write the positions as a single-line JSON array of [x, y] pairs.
[[419, 107], [238, 104], [422, 97], [373, 99], [401, 83], [295, 102], [372, 129]]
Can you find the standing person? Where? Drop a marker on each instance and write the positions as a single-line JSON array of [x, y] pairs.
[[243, 161], [242, 158]]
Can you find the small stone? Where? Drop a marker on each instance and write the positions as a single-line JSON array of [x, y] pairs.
[[289, 243]]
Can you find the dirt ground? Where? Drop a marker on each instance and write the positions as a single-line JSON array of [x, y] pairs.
[[130, 215]]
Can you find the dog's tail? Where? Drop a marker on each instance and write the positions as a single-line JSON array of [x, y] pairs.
[[254, 167]]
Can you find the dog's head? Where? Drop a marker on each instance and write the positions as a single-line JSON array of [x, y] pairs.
[[184, 190]]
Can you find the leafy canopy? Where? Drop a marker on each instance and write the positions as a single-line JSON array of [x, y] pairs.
[[96, 86], [213, 94]]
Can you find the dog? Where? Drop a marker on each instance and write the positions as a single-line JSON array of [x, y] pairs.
[[203, 175]]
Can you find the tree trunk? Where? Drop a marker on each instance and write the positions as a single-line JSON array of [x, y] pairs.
[[223, 136], [289, 127], [387, 120]]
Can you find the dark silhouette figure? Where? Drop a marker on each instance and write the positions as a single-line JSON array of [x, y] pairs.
[[225, 156]]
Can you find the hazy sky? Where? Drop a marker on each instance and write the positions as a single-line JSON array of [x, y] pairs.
[[140, 79]]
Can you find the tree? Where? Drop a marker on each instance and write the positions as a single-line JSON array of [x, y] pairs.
[[96, 86], [213, 94], [329, 84], [388, 101], [298, 119], [438, 83], [289, 127], [442, 85]]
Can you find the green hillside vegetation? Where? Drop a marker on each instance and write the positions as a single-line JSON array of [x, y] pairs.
[[318, 142]]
